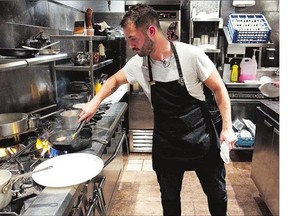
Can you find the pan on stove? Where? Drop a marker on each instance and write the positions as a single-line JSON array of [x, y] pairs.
[[18, 52], [62, 140]]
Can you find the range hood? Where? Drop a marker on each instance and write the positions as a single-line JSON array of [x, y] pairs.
[[151, 2], [243, 3], [159, 5]]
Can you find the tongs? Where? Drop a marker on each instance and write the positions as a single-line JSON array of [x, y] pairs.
[[78, 129], [80, 126]]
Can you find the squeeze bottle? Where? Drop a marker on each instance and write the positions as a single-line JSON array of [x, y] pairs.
[[234, 73]]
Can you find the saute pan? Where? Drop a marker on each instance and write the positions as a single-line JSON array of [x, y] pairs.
[[18, 52], [62, 140]]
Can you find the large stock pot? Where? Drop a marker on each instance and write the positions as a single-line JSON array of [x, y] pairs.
[[13, 123]]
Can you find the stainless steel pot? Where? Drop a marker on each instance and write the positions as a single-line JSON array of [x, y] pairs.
[[5, 196], [70, 119], [6, 181], [13, 123]]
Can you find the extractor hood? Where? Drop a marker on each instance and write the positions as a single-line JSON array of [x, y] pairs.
[[243, 3], [157, 5]]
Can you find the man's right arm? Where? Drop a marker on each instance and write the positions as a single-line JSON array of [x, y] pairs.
[[108, 88]]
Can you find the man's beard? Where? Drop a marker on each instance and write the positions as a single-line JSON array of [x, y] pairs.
[[147, 48]]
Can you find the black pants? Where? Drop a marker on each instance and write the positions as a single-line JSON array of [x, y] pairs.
[[212, 180]]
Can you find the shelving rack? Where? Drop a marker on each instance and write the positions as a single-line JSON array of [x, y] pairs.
[[91, 67]]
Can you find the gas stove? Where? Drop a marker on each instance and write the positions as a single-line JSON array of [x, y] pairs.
[[30, 199]]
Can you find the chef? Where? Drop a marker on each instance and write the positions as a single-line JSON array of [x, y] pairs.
[[173, 75]]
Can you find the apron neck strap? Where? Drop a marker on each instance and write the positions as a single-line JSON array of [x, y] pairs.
[[180, 80]]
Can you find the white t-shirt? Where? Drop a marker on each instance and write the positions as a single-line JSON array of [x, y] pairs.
[[196, 68]]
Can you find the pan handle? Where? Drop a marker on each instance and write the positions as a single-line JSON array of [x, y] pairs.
[[14, 179]]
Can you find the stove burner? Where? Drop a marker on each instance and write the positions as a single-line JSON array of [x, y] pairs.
[[17, 138]]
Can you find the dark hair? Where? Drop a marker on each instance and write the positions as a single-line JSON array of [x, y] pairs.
[[141, 15]]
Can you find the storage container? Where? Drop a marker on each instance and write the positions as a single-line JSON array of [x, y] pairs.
[[248, 69], [248, 28]]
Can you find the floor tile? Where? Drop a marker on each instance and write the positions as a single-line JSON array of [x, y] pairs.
[[138, 193]]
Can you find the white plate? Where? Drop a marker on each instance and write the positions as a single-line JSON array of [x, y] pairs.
[[69, 169], [269, 90]]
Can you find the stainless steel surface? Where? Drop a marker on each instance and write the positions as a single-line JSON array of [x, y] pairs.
[[70, 67], [70, 118], [151, 2], [13, 123], [140, 140], [265, 163], [11, 64], [33, 121], [5, 197]]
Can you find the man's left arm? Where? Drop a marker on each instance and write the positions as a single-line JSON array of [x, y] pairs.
[[215, 83]]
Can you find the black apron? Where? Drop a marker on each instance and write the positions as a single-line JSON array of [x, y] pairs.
[[183, 136]]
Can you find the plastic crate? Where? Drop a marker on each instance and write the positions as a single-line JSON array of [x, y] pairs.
[[245, 142], [248, 28]]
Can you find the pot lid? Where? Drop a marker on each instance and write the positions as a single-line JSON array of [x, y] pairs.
[[69, 169], [73, 96]]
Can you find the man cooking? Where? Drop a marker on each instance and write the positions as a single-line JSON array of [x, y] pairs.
[[173, 75]]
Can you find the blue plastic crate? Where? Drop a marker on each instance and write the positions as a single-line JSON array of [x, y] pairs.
[[248, 28], [245, 142]]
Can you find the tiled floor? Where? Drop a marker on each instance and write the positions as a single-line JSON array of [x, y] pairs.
[[138, 192]]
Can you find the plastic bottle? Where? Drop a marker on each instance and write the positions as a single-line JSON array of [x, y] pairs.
[[248, 68], [234, 73]]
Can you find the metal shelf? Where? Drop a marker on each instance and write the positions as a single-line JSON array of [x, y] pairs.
[[91, 67], [202, 19], [72, 67], [82, 37], [11, 64]]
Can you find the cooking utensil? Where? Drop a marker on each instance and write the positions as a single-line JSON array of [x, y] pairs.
[[13, 123], [17, 177], [18, 52], [42, 48], [69, 169], [78, 129], [63, 140], [6, 181]]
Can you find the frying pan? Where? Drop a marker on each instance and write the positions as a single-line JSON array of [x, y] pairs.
[[63, 140], [18, 52]]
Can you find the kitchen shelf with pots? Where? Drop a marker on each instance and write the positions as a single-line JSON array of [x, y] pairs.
[[91, 67], [16, 63], [72, 67]]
